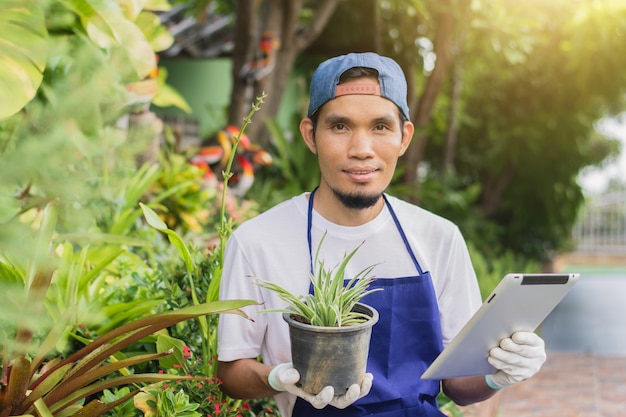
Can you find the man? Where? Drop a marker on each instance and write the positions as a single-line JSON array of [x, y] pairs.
[[358, 126]]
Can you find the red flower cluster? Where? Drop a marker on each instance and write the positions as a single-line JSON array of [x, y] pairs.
[[186, 352]]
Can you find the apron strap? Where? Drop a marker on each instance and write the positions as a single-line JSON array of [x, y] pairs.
[[309, 226], [393, 216], [404, 238]]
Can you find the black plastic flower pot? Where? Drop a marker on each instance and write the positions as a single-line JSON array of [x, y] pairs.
[[334, 356]]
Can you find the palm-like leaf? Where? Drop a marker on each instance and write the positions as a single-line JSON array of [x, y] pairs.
[[62, 383]]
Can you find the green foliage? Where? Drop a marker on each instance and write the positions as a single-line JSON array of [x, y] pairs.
[[529, 82], [129, 31], [170, 403], [63, 382], [76, 261], [203, 394], [22, 54], [178, 193], [154, 221], [294, 169], [490, 269], [176, 291], [332, 302], [200, 280], [448, 407], [527, 136], [61, 145], [189, 359], [126, 409]]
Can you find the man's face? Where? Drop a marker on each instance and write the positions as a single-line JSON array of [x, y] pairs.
[[358, 140]]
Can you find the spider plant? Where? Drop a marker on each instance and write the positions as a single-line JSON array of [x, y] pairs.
[[332, 302]]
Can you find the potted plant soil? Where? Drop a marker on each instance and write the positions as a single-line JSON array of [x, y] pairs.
[[329, 328]]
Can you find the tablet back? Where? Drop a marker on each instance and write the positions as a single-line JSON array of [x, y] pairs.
[[519, 302]]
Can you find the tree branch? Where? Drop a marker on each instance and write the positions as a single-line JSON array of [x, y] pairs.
[[321, 15]]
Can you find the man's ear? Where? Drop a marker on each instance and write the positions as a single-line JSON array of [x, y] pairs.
[[308, 134], [407, 134]]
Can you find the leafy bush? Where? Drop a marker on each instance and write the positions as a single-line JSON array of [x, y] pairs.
[[490, 271], [196, 283], [76, 261], [294, 169]]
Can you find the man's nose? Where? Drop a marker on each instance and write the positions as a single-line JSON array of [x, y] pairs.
[[361, 145]]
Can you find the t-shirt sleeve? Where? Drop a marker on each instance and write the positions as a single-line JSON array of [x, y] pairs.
[[238, 337]]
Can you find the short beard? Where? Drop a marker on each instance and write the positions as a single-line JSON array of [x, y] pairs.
[[357, 201]]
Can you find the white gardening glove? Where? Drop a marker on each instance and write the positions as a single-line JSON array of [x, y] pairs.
[[284, 377], [516, 359], [354, 393]]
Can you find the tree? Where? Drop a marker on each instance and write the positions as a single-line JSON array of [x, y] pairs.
[[508, 108], [537, 78], [294, 24], [504, 97], [445, 17]]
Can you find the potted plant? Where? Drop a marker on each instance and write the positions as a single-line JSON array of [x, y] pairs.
[[329, 329]]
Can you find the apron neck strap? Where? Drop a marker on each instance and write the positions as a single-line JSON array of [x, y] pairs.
[[393, 216]]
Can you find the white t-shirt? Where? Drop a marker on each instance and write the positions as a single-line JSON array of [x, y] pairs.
[[273, 246]]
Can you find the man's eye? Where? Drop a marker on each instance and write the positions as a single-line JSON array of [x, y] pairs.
[[381, 127], [339, 126]]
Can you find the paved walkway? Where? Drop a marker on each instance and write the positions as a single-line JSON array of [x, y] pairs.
[[570, 385]]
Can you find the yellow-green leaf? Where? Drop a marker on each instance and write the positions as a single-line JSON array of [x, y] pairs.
[[155, 221], [152, 218], [23, 41], [107, 26], [155, 32]]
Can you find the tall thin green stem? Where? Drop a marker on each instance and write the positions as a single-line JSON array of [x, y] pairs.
[[225, 225], [224, 231]]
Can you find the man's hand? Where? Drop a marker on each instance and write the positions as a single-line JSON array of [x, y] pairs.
[[284, 377], [516, 359]]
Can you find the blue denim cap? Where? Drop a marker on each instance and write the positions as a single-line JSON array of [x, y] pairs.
[[326, 78]]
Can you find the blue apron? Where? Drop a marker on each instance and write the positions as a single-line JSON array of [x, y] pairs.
[[405, 341]]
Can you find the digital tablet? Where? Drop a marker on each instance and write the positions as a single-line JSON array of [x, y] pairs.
[[519, 302]]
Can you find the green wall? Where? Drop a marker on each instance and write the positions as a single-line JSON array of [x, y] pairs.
[[206, 84]]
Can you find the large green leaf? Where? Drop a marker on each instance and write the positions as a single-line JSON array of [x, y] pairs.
[[107, 26], [23, 38]]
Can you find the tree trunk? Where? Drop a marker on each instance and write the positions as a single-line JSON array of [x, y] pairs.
[[279, 17], [494, 189], [422, 114], [447, 17], [449, 151], [455, 99], [245, 30]]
